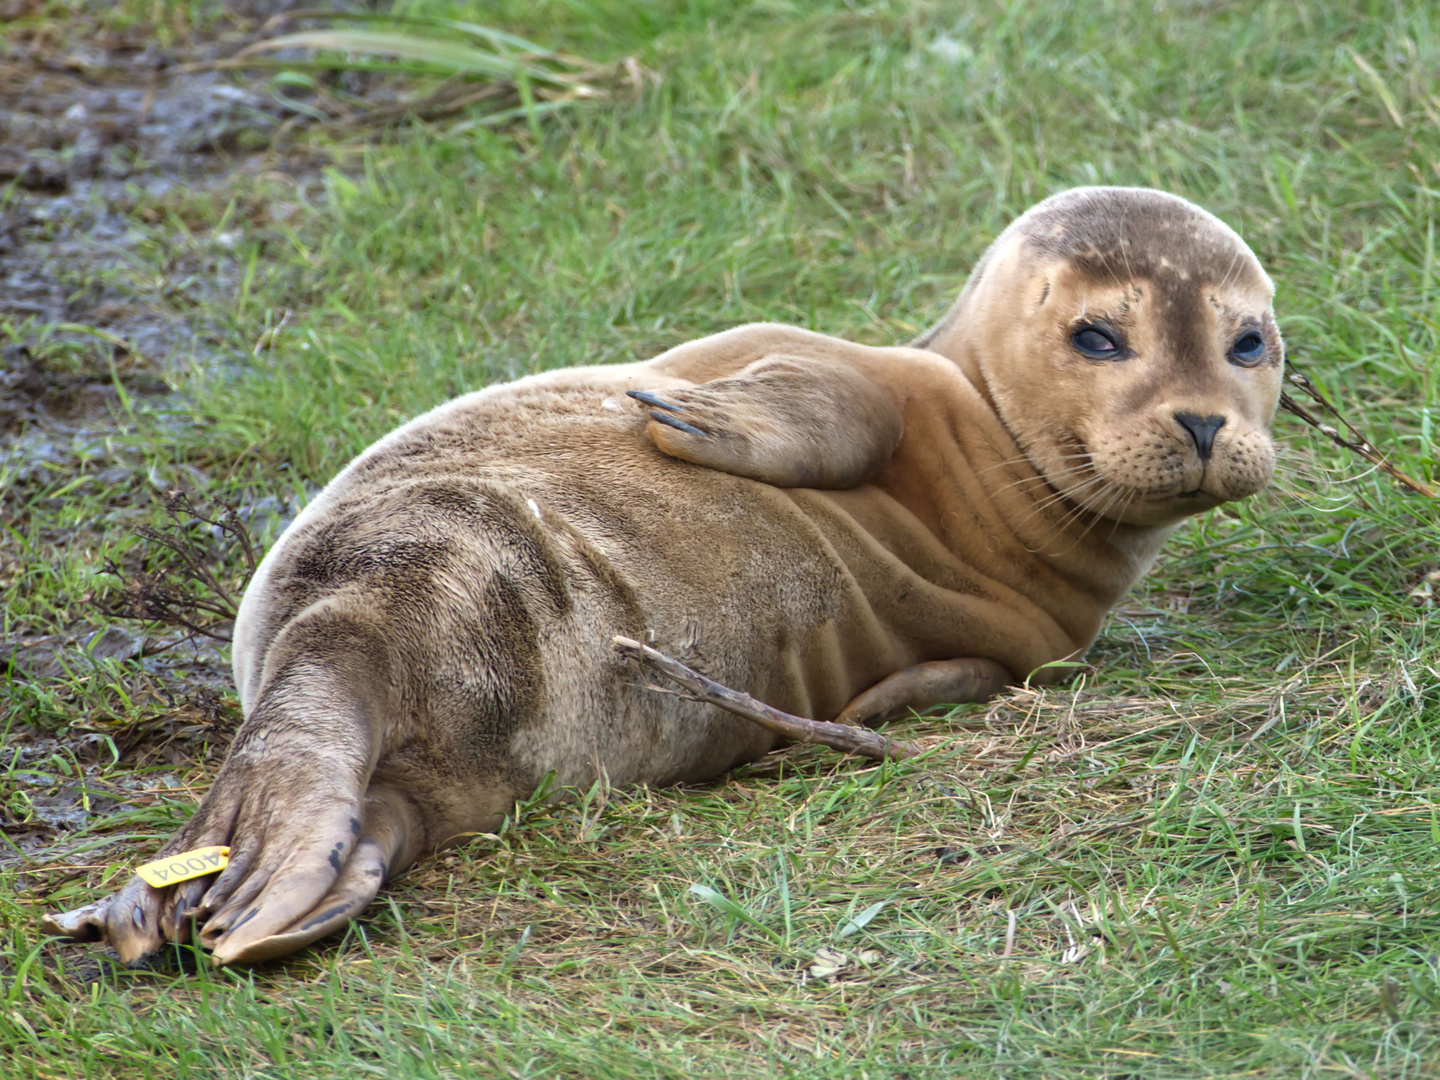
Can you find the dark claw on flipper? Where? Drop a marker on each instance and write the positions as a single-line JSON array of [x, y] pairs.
[[678, 425], [647, 398]]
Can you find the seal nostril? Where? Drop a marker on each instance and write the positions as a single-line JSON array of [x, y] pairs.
[[1202, 429]]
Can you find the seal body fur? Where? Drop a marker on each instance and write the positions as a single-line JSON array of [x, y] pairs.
[[838, 530]]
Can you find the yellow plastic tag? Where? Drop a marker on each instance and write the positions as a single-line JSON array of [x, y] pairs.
[[183, 867]]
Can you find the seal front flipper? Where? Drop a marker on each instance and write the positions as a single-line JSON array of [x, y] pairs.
[[787, 421], [939, 682]]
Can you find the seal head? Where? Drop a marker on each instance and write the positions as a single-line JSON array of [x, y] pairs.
[[1127, 341]]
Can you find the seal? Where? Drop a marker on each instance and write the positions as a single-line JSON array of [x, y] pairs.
[[840, 531]]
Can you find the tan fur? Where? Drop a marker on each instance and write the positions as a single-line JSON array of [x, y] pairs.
[[836, 529]]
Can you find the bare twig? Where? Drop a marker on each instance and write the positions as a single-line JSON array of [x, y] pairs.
[[840, 737], [1352, 440], [186, 590]]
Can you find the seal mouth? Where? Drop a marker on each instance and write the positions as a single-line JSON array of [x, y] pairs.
[[1192, 502]]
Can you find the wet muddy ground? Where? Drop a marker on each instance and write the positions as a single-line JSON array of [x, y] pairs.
[[110, 291], [93, 138]]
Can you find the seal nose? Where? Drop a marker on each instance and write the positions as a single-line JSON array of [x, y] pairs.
[[1202, 429]]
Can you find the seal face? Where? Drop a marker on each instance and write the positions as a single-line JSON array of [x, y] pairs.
[[840, 531], [1141, 360]]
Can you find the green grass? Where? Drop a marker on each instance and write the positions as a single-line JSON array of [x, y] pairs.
[[1220, 849]]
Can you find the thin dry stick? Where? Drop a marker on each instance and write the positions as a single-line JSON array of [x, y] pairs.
[[1356, 443], [840, 737]]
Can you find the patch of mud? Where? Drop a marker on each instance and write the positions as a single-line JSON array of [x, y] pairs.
[[54, 789], [101, 285], [33, 392], [105, 293], [55, 656], [57, 790], [107, 285]]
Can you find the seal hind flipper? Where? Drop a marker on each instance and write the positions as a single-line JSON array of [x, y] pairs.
[[286, 875], [141, 918], [181, 906], [785, 420], [939, 682], [280, 873], [288, 801], [85, 923], [389, 844]]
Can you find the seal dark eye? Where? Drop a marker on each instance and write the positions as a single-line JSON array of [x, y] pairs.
[[1095, 343], [1249, 349]]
